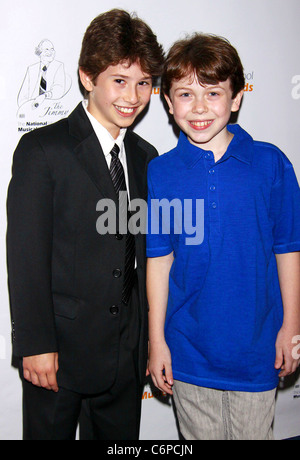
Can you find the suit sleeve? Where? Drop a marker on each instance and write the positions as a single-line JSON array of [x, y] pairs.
[[29, 248]]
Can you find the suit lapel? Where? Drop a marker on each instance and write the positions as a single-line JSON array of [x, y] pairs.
[[136, 167], [89, 153]]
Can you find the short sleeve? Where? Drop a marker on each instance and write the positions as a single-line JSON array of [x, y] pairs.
[[285, 213], [158, 242]]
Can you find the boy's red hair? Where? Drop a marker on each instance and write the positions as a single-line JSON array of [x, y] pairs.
[[211, 58]]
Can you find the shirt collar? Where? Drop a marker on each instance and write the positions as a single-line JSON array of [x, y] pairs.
[[239, 148], [105, 138]]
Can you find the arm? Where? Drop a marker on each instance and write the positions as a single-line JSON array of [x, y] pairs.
[[160, 368], [29, 252], [289, 278]]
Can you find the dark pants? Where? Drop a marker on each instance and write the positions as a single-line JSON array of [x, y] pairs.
[[113, 415]]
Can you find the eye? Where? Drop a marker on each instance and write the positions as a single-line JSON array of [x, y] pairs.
[[184, 95], [213, 94], [120, 81], [144, 83]]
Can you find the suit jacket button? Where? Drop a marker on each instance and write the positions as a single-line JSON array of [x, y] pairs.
[[117, 273], [119, 236], [114, 310]]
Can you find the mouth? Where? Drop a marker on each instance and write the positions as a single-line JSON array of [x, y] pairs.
[[200, 125], [126, 111]]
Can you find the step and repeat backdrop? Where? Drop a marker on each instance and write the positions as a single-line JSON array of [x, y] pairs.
[[266, 34]]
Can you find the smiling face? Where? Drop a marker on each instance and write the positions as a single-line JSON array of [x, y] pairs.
[[203, 112], [118, 95], [47, 52]]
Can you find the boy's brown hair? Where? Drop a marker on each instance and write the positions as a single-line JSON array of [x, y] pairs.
[[211, 58], [115, 37]]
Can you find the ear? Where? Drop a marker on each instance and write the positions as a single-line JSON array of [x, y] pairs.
[[236, 103], [85, 80], [169, 102]]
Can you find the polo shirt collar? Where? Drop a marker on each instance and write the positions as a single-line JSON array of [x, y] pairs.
[[240, 147]]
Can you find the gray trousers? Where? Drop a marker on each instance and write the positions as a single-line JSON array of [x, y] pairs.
[[208, 414]]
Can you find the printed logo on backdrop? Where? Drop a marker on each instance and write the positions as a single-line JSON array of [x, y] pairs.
[[45, 84], [156, 90], [249, 81]]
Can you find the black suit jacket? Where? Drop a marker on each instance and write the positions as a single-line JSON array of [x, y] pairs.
[[61, 272]]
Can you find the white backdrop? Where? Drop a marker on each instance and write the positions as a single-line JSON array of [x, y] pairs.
[[266, 34]]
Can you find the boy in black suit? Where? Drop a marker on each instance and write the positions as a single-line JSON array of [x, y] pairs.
[[77, 297]]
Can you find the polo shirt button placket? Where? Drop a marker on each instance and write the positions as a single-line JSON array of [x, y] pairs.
[[212, 188], [212, 191]]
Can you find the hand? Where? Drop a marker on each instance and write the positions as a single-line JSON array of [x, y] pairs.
[[38, 101], [160, 367], [41, 370], [285, 358]]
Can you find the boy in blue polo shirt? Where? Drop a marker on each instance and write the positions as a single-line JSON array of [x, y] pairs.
[[224, 311]]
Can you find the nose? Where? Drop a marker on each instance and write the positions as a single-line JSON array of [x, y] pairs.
[[131, 96], [200, 105]]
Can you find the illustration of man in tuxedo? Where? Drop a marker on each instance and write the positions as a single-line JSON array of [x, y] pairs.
[[46, 79]]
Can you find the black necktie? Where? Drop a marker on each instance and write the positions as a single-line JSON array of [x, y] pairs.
[[118, 179], [43, 83]]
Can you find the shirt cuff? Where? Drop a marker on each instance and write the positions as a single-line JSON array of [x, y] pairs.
[[286, 248], [158, 252]]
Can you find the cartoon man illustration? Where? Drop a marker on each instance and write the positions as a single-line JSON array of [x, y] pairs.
[[44, 80]]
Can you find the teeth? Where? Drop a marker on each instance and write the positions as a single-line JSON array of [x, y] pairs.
[[124, 109], [200, 124]]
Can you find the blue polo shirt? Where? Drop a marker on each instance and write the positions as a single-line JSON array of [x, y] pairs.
[[224, 308]]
